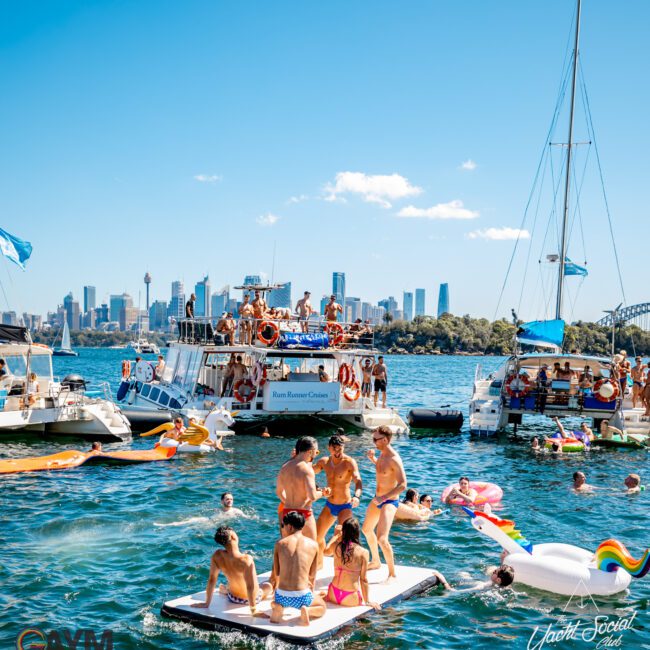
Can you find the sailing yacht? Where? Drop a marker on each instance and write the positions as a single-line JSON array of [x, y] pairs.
[[65, 350], [550, 382]]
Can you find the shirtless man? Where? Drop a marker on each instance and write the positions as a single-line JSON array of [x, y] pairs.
[[332, 310], [580, 483], [177, 431], [624, 368], [341, 471], [632, 484], [227, 505], [304, 311], [381, 380], [295, 562], [239, 569], [228, 374], [239, 370], [246, 321], [223, 327], [366, 377], [296, 485], [645, 395], [259, 306], [638, 380], [391, 482]]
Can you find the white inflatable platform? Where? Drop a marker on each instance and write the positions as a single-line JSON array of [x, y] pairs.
[[222, 614]]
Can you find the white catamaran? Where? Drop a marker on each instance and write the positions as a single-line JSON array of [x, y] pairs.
[[551, 383]]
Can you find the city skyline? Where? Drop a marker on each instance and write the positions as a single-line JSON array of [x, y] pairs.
[[135, 149]]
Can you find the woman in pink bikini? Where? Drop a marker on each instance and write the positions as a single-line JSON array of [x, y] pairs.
[[349, 587]]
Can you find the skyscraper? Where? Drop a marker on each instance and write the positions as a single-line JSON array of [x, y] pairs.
[[420, 302], [219, 302], [443, 300], [89, 298], [352, 309], [158, 315], [251, 279], [202, 291], [177, 303], [118, 303], [71, 307], [338, 287], [408, 305], [389, 304], [281, 297]]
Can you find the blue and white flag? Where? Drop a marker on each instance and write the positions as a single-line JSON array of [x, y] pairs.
[[15, 249], [570, 268], [543, 333]]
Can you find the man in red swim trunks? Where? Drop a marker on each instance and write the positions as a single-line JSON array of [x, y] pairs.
[[296, 484]]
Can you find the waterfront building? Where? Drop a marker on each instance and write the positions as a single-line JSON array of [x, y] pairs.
[[89, 298], [338, 287], [366, 310], [398, 314], [9, 318], [101, 314], [323, 301], [177, 302], [202, 292], [408, 305], [128, 318], [443, 300], [158, 315], [89, 320], [281, 297], [117, 304], [233, 307], [71, 307], [420, 302], [32, 322], [219, 302]]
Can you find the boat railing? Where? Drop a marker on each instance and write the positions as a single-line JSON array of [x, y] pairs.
[[283, 333]]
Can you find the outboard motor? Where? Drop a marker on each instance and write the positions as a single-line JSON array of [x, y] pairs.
[[74, 382]]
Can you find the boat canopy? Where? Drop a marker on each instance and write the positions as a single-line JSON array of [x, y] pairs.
[[576, 361], [543, 333], [14, 334]]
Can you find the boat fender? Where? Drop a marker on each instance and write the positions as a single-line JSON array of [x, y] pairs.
[[123, 390]]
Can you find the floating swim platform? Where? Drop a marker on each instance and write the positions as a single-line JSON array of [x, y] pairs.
[[74, 458], [222, 614]]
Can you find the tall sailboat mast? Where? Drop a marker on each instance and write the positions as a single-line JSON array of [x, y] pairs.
[[567, 180]]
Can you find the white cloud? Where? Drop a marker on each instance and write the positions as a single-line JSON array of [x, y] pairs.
[[373, 188], [452, 210], [469, 165], [297, 199], [499, 234], [267, 219], [207, 178]]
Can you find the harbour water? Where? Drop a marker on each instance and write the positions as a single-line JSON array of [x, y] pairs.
[[101, 548]]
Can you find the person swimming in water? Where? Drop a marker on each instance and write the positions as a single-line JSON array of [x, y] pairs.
[[632, 484], [467, 494], [227, 507], [580, 483]]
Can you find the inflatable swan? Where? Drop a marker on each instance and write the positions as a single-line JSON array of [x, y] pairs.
[[563, 568], [197, 438]]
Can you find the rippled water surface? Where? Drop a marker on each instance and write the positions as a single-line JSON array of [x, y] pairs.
[[103, 547]]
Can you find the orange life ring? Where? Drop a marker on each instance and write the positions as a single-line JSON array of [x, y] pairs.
[[41, 345], [615, 384], [345, 371], [246, 397], [261, 329], [521, 385], [126, 369], [337, 328], [352, 392]]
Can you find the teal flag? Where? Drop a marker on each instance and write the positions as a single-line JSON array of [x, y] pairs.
[[16, 249]]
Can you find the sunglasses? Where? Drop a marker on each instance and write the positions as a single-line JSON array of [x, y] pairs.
[[378, 439], [427, 500]]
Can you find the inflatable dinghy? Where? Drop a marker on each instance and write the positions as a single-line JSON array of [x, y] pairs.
[[444, 419], [222, 614], [73, 458]]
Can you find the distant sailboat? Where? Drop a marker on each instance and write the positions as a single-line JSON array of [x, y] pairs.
[[65, 350]]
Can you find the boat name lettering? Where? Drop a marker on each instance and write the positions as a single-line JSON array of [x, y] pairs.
[[302, 395]]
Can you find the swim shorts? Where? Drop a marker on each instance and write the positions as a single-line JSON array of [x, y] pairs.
[[366, 387], [303, 511], [380, 385], [295, 599], [392, 502]]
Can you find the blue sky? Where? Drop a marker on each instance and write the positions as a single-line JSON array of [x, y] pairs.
[[188, 138]]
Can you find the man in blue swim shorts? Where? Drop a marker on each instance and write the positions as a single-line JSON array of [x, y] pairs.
[[295, 562], [391, 482], [341, 470]]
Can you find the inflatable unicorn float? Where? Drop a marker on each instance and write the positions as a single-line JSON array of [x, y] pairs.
[[563, 568], [197, 438]]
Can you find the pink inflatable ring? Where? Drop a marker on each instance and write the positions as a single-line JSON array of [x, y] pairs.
[[487, 493]]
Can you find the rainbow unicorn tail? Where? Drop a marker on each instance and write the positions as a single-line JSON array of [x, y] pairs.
[[611, 555]]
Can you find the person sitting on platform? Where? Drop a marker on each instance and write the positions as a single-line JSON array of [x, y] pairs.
[[322, 375], [239, 568], [295, 562], [586, 379], [349, 586], [160, 367]]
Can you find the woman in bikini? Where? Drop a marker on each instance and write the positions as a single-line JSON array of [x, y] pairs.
[[349, 587]]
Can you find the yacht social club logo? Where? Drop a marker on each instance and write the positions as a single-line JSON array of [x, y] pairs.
[[602, 630], [34, 639]]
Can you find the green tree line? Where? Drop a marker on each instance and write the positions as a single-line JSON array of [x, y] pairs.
[[465, 335]]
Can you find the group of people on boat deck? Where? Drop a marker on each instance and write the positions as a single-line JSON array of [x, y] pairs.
[[298, 554]]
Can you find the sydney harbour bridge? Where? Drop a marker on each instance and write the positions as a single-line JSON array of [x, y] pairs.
[[632, 315]]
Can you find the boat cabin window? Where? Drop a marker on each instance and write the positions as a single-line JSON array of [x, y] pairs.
[[164, 399], [16, 365], [170, 365], [154, 393], [145, 390]]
